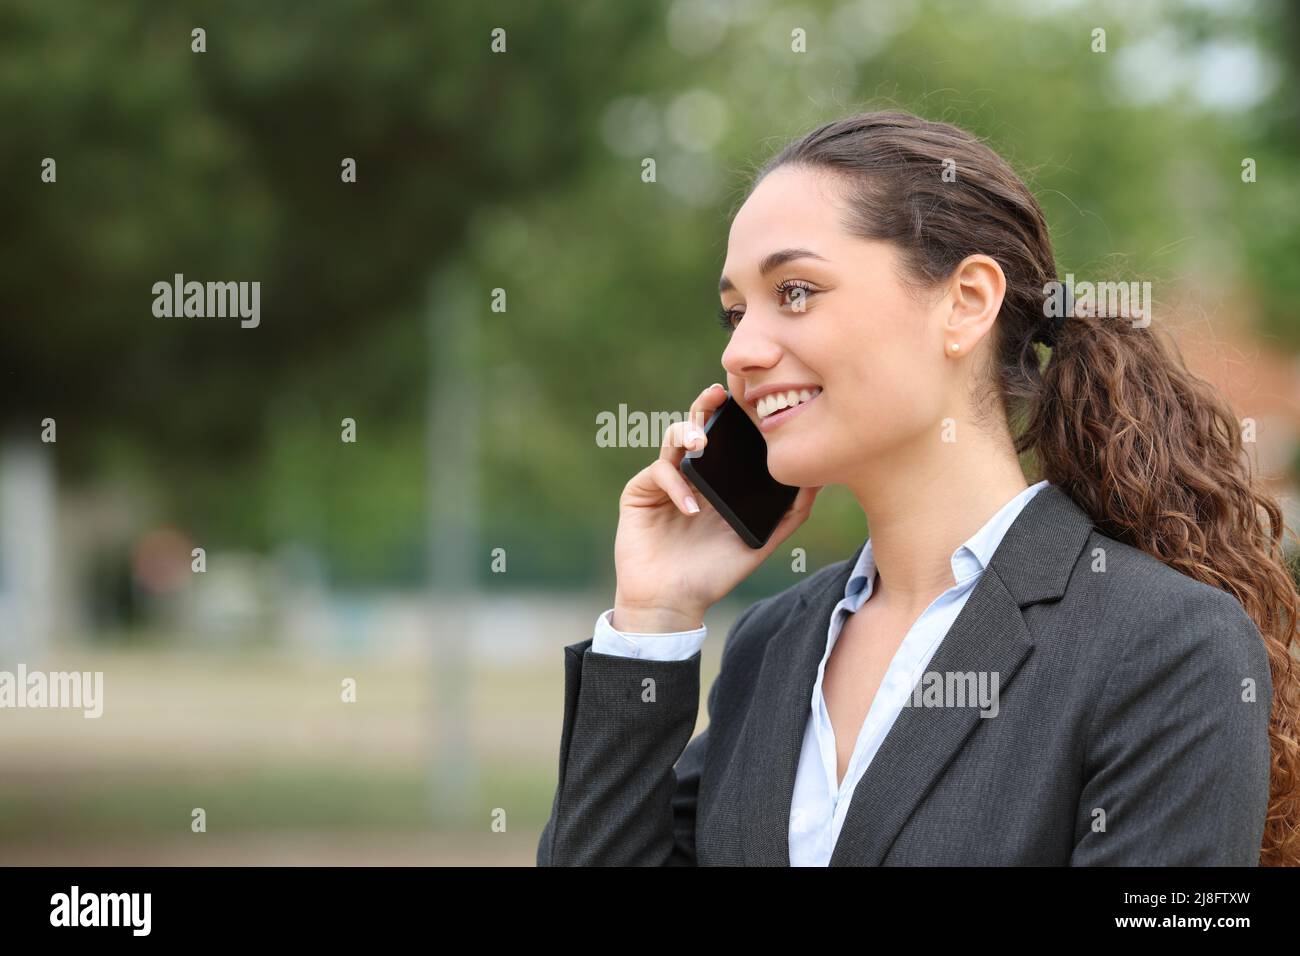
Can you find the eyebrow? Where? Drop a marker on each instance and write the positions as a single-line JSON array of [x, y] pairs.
[[773, 261]]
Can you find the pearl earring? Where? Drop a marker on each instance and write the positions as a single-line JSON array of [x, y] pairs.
[[955, 347]]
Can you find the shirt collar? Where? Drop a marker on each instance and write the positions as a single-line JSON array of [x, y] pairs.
[[970, 558]]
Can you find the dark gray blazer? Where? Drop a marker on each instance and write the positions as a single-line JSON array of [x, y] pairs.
[[1126, 732]]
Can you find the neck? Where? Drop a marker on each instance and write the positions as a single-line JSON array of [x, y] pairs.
[[923, 504]]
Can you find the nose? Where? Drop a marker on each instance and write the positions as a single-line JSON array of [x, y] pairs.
[[749, 349]]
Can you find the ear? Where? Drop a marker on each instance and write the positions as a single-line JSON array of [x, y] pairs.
[[975, 295]]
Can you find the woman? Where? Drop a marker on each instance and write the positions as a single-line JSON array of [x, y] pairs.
[[1122, 628]]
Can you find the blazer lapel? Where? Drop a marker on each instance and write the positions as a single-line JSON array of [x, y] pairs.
[[989, 636], [1031, 563], [774, 732]]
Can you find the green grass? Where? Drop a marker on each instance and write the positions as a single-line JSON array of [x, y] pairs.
[[294, 797]]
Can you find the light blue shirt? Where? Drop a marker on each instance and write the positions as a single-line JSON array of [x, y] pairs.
[[819, 805]]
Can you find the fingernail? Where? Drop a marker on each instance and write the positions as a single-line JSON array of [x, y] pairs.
[[691, 506], [717, 385]]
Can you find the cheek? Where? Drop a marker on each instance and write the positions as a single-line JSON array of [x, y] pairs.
[[882, 377], [879, 398]]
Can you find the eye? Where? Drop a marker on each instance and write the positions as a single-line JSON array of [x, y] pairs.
[[793, 287], [796, 288]]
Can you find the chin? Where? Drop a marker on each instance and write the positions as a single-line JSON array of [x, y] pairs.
[[792, 469]]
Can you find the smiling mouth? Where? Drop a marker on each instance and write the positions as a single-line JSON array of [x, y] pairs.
[[778, 402]]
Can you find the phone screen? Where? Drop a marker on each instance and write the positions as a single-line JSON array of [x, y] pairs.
[[731, 472]]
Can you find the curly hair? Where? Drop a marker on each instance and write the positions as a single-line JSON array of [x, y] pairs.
[[1113, 416]]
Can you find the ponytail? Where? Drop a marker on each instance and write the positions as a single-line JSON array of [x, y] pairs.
[[1154, 455]]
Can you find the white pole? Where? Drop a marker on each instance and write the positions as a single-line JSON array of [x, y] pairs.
[[27, 549]]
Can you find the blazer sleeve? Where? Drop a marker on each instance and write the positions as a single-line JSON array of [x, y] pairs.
[[628, 778], [1177, 761]]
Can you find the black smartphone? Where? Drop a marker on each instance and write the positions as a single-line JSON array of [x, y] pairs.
[[731, 472]]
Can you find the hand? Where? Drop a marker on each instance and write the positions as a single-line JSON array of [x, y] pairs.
[[673, 564]]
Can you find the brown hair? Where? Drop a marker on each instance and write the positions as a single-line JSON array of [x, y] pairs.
[[1152, 452]]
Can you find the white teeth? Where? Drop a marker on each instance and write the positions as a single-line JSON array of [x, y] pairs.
[[770, 404]]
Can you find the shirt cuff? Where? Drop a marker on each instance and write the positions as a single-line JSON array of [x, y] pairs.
[[672, 646]]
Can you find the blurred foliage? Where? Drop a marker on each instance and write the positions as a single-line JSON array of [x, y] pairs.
[[521, 171]]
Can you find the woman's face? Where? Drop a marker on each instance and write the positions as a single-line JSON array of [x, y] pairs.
[[841, 322]]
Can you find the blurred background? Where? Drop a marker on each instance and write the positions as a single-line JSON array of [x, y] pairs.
[[497, 277]]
